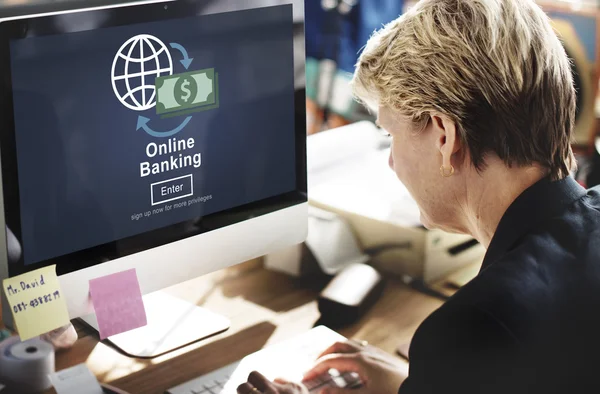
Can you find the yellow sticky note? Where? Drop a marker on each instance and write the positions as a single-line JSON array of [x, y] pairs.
[[37, 302]]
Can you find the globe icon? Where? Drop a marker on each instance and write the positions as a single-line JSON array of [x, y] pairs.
[[135, 68]]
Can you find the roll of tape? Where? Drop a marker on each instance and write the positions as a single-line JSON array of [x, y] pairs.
[[26, 365]]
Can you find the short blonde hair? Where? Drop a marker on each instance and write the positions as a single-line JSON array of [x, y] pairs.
[[495, 67]]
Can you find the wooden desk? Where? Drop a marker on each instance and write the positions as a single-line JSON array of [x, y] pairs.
[[264, 308]]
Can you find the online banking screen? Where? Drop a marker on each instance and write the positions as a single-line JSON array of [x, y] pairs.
[[124, 130]]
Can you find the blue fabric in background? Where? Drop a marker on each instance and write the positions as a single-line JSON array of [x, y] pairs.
[[585, 28], [356, 28]]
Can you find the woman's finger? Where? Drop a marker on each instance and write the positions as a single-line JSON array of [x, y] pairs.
[[245, 388], [342, 362], [259, 381]]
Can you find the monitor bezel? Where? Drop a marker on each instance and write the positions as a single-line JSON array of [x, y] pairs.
[[125, 14]]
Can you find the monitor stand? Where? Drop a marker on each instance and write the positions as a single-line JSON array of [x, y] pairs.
[[172, 324]]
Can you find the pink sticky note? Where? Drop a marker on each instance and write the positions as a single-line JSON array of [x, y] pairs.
[[118, 303]]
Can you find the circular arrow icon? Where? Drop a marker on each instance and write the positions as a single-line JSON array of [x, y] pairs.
[[142, 123]]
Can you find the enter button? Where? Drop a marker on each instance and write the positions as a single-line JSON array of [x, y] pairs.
[[172, 189]]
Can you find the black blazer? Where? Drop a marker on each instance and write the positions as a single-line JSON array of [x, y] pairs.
[[530, 321]]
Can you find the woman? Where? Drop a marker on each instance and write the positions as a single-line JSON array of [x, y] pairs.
[[478, 98]]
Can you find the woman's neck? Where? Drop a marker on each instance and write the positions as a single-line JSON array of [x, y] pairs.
[[491, 192]]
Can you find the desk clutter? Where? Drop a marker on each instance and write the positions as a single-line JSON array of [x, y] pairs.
[[38, 305], [29, 367], [80, 380], [118, 304], [37, 302], [26, 365], [41, 318]]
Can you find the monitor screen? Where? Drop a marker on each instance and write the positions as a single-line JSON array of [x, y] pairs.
[[125, 130]]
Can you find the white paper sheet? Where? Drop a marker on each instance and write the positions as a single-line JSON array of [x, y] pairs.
[[75, 380], [348, 170]]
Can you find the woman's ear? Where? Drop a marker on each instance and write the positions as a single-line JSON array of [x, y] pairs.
[[447, 138]]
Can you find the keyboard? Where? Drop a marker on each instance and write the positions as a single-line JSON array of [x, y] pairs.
[[288, 360]]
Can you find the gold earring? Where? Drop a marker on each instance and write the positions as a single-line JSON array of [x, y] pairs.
[[445, 173]]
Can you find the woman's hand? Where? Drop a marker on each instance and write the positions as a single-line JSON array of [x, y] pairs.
[[258, 384], [379, 372]]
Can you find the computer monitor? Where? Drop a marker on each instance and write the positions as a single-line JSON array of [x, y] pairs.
[[168, 136]]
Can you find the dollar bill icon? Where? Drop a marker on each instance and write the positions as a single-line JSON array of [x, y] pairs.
[[187, 92]]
